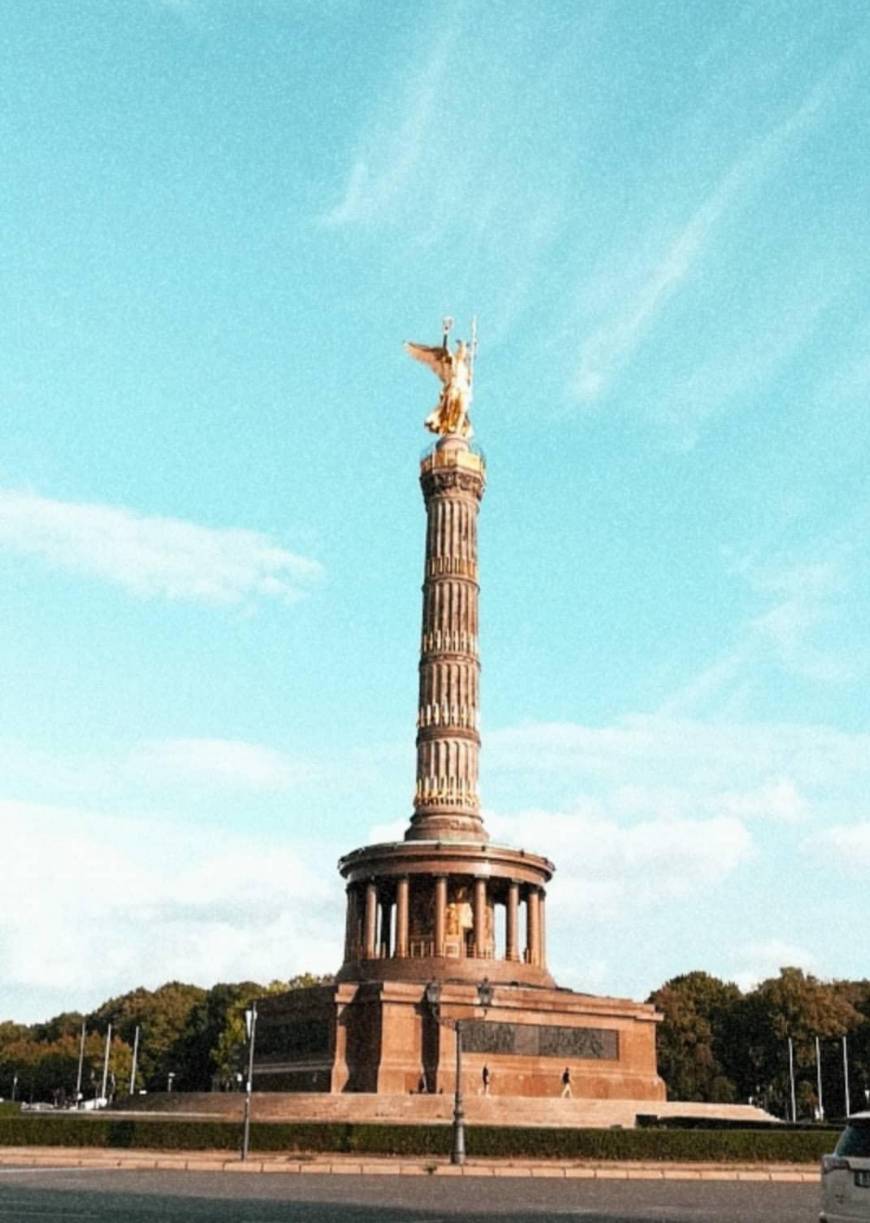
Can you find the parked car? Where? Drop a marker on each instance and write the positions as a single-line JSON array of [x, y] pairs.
[[846, 1174]]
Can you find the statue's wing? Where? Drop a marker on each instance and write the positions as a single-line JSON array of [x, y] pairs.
[[433, 357]]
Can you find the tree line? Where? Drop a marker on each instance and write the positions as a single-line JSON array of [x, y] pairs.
[[716, 1043], [721, 1045], [194, 1035]]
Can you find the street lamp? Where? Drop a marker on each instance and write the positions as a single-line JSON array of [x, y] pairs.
[[170, 1079], [251, 1028], [433, 998]]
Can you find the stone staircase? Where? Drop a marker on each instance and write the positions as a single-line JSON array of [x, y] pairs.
[[426, 1109]]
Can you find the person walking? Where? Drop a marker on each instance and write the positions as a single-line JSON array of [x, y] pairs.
[[566, 1082], [486, 1078]]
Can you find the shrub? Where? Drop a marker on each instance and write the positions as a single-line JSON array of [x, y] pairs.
[[721, 1146]]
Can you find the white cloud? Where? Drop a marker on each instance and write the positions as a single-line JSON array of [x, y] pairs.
[[152, 556], [776, 800], [382, 834], [97, 903], [211, 765], [607, 869], [663, 752], [844, 846], [221, 762], [758, 961]]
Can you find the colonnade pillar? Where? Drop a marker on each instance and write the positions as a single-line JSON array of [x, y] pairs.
[[533, 926], [479, 918], [402, 917], [542, 922], [512, 924], [440, 913], [370, 921], [350, 931]]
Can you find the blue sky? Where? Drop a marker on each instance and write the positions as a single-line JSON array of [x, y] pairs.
[[218, 223]]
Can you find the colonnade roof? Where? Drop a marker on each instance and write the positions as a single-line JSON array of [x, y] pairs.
[[446, 857]]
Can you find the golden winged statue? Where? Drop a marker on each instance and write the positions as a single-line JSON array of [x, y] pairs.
[[456, 371]]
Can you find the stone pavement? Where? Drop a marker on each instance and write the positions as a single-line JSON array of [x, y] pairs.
[[368, 1165]]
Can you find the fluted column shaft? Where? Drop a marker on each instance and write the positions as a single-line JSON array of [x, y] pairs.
[[446, 803]]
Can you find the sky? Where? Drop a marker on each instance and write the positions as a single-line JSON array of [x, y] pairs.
[[218, 223]]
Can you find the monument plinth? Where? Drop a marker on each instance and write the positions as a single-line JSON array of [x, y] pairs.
[[446, 906]]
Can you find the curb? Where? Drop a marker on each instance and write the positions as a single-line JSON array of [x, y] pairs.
[[218, 1161]]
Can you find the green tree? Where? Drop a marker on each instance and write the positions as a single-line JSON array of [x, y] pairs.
[[68, 1023], [47, 1070], [162, 1016], [695, 1038], [11, 1032], [857, 994], [793, 1005]]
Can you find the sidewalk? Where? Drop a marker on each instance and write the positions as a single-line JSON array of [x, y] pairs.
[[373, 1165]]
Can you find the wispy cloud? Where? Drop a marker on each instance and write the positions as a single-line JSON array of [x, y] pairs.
[[610, 346], [739, 367], [220, 762], [641, 752], [152, 556], [390, 154], [795, 632]]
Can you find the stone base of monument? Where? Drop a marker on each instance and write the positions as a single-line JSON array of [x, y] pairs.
[[362, 1107], [385, 1038]]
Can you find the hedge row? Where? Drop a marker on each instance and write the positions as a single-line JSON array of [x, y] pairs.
[[725, 1146]]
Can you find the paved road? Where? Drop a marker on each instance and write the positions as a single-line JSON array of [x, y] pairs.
[[41, 1195]]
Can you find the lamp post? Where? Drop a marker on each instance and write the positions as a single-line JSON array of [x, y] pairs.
[[251, 1024], [105, 1084], [846, 1076], [135, 1062], [791, 1081], [433, 998], [81, 1065], [170, 1079]]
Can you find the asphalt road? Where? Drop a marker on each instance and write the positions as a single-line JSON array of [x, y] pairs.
[[42, 1195]]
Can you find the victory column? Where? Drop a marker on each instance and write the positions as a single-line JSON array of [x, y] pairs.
[[444, 928]]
